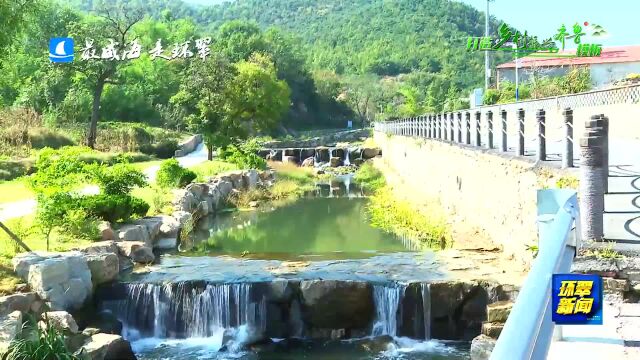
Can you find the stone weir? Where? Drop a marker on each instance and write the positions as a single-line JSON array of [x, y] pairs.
[[313, 309], [316, 156]]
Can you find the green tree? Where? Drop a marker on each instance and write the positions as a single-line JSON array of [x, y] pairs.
[[114, 23]]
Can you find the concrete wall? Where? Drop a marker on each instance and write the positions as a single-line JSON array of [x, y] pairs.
[[601, 74], [188, 145], [484, 194], [604, 74]]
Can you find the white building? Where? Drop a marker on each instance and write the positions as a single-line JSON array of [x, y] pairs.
[[615, 63]]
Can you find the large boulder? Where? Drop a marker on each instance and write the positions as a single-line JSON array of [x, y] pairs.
[[251, 179], [499, 311], [236, 178], [308, 162], [106, 232], [169, 226], [16, 302], [10, 327], [224, 188], [136, 251], [332, 304], [104, 267], [63, 280], [134, 232], [60, 320], [368, 152], [481, 347], [335, 161], [152, 225], [184, 200], [197, 189], [108, 247], [107, 347], [182, 217]]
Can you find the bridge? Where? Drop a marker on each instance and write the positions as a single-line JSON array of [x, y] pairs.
[[484, 166]]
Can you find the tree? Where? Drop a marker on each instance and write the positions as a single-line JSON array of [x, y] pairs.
[[111, 29], [229, 102], [359, 93]]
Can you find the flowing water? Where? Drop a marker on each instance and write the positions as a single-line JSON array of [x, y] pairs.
[[211, 299]]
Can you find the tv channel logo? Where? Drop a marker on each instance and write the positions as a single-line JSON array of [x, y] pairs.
[[61, 50], [576, 299]]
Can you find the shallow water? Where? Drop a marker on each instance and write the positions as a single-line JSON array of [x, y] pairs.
[[310, 228], [359, 349]]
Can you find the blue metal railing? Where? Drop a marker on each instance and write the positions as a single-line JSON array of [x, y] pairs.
[[528, 331]]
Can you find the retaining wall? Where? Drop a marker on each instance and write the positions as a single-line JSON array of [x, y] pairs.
[[486, 195]]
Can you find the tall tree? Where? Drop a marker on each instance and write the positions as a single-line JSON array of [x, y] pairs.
[[112, 30]]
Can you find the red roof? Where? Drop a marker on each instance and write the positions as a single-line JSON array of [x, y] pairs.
[[620, 54]]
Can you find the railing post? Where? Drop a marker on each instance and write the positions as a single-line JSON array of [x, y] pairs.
[[605, 152], [521, 132], [439, 124], [503, 144], [459, 127], [490, 129], [451, 128], [429, 126], [542, 144], [467, 120], [567, 157], [591, 180], [478, 130], [444, 126]]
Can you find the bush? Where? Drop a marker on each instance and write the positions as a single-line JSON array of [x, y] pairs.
[[163, 149], [114, 208], [171, 174], [79, 225], [118, 179], [369, 177], [490, 97], [43, 137], [45, 343], [245, 155], [12, 169]]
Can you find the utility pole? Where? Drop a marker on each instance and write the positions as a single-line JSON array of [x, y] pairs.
[[487, 71]]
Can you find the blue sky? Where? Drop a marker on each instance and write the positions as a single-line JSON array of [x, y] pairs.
[[621, 18]]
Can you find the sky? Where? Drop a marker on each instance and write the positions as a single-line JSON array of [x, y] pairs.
[[620, 18]]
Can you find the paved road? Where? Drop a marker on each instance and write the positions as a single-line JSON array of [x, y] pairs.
[[25, 207]]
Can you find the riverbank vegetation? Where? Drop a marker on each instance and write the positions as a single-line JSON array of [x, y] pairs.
[[369, 177]]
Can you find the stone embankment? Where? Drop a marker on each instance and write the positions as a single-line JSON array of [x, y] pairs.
[[66, 281], [321, 155]]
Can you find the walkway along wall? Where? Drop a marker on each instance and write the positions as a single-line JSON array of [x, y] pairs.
[[486, 194]]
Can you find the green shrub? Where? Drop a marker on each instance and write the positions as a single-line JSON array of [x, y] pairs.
[[114, 208], [490, 97], [12, 169], [118, 179], [34, 342], [369, 177], [44, 137], [171, 174], [78, 224], [245, 155], [163, 149]]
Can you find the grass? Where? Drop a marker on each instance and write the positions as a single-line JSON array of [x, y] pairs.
[[369, 177], [568, 182], [159, 199], [8, 279], [211, 168], [606, 252], [15, 190], [400, 218]]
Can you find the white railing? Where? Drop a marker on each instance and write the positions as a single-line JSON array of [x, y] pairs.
[[528, 331]]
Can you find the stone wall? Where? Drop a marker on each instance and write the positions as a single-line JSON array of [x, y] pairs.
[[486, 195]]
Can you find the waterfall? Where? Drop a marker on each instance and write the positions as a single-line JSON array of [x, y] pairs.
[[426, 309], [182, 310], [387, 301], [347, 185], [347, 157]]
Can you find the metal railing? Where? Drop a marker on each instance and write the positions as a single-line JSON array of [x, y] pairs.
[[528, 331]]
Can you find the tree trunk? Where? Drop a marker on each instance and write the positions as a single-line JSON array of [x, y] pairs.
[[95, 113], [209, 152]]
